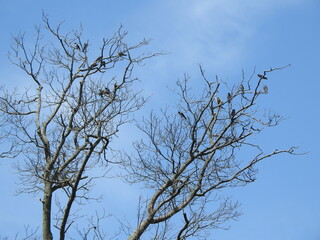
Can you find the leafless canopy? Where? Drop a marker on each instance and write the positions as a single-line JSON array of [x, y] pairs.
[[63, 121], [192, 152], [79, 95]]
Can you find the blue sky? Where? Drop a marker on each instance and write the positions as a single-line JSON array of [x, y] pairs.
[[225, 37]]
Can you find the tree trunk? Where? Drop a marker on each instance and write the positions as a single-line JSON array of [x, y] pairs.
[[46, 212], [140, 230]]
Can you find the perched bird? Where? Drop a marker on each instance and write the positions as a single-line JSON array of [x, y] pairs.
[[229, 97], [94, 64], [218, 100], [99, 59], [101, 92], [262, 77], [265, 89], [182, 115], [233, 112], [76, 46], [241, 88], [232, 115], [106, 91], [84, 47], [122, 54], [103, 63]]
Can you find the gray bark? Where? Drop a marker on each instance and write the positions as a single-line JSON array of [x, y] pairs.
[[46, 212]]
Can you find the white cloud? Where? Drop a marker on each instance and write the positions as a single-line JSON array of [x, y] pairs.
[[216, 32]]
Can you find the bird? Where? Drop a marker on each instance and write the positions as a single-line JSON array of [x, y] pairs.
[[94, 64], [76, 46], [122, 54], [218, 100], [103, 63], [265, 89], [182, 115], [106, 91], [99, 59], [233, 112], [84, 47], [241, 88], [262, 76], [229, 97]]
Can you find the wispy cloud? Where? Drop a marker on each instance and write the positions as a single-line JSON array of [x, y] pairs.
[[216, 32]]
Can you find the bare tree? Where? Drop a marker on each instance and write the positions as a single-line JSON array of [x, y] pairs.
[[193, 152], [7, 150], [63, 123]]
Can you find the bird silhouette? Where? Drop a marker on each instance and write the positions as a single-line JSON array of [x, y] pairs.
[[122, 54], [182, 115], [94, 64], [85, 46], [265, 89], [229, 97], [262, 76], [99, 59], [76, 46], [101, 92], [233, 112], [106, 91], [218, 100], [232, 115], [241, 88]]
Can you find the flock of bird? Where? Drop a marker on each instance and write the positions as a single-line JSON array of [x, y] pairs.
[[229, 99]]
